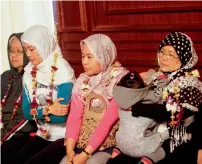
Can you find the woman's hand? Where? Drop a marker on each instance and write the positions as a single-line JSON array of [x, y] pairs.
[[70, 145], [80, 158], [144, 75], [70, 156], [58, 109], [199, 160]]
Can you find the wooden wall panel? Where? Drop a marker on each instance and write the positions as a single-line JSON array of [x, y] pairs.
[[136, 28], [157, 17], [149, 7], [77, 22]]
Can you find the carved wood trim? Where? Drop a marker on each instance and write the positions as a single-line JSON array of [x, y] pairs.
[[159, 28], [107, 11]]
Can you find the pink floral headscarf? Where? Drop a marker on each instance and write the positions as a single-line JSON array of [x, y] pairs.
[[104, 50]]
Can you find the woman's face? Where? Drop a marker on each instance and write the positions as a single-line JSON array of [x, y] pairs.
[[168, 59], [32, 54], [90, 64], [16, 54]]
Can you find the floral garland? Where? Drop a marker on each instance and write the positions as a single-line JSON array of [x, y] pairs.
[[3, 103], [114, 73], [171, 96], [34, 105], [85, 86]]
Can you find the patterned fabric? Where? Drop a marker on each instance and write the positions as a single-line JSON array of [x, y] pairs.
[[91, 119], [188, 90], [139, 136], [187, 62], [184, 90], [104, 50], [186, 81], [180, 43]]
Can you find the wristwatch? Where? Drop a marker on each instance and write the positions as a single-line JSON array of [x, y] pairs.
[[87, 153]]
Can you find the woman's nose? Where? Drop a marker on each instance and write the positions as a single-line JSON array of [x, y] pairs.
[[164, 57], [28, 54], [85, 60]]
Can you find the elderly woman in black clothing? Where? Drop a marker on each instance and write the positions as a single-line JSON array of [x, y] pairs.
[[15, 129], [182, 97]]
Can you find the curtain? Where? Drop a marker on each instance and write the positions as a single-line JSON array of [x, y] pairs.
[[17, 16]]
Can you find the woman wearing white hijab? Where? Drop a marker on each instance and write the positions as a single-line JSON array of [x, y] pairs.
[[47, 87]]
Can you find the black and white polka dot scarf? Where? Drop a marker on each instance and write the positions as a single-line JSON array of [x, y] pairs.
[[184, 48], [181, 44]]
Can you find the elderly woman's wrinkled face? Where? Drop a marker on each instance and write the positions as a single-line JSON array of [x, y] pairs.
[[16, 54], [32, 54], [90, 64], [168, 59]]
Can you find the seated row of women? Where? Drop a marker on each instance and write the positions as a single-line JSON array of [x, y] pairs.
[[108, 115]]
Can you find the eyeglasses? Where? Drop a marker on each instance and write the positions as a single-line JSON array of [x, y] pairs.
[[168, 56], [17, 53]]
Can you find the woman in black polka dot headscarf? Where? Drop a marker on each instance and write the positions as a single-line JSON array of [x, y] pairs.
[[176, 59], [183, 95], [182, 45]]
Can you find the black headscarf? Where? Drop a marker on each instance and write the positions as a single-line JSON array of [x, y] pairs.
[[25, 59], [184, 49], [191, 88], [8, 76], [180, 43]]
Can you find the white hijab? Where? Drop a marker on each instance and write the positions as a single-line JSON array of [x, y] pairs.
[[40, 37]]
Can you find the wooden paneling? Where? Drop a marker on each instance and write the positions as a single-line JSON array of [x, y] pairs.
[[150, 16], [74, 23], [130, 7], [136, 27]]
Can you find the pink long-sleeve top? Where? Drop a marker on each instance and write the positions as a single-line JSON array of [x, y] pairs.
[[74, 121]]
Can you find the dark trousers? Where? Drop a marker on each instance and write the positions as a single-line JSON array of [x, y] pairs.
[[40, 151], [10, 148], [185, 154]]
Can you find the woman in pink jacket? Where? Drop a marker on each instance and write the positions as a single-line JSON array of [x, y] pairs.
[[93, 117]]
